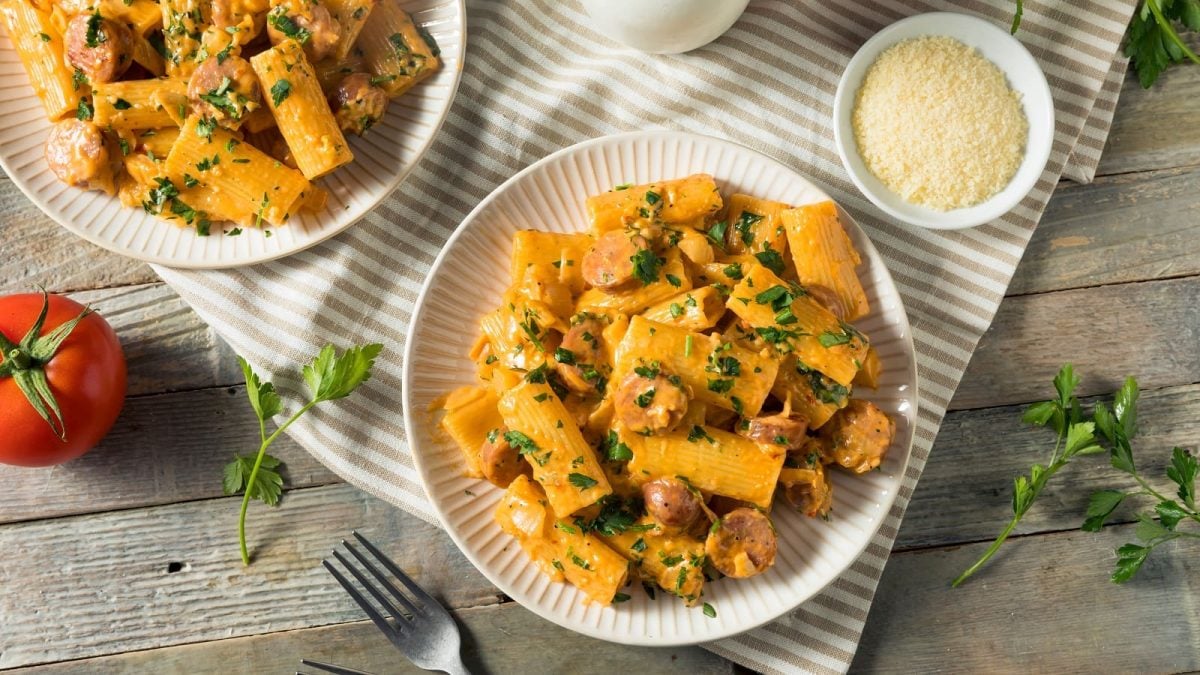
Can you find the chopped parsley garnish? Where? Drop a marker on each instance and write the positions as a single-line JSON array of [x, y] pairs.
[[645, 266], [566, 528], [280, 91], [524, 444], [778, 297], [399, 43], [716, 234], [581, 481], [649, 372], [381, 79], [723, 365], [745, 222], [78, 79], [83, 111], [205, 127], [493, 435], [577, 560], [674, 280], [669, 560], [737, 404], [620, 597], [622, 186], [541, 398], [189, 181], [124, 146], [564, 356], [95, 36], [652, 198], [639, 545], [284, 24], [234, 232], [122, 104], [698, 433], [615, 450], [733, 271], [676, 310], [709, 611], [829, 339], [643, 399], [45, 38], [771, 260], [720, 386], [532, 330]]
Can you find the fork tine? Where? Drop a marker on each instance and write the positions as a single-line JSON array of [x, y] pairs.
[[425, 598], [380, 622], [330, 668], [379, 580]]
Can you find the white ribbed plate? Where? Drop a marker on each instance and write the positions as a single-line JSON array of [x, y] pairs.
[[381, 160], [468, 279]]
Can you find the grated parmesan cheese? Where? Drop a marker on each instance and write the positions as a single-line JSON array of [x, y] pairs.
[[937, 123]]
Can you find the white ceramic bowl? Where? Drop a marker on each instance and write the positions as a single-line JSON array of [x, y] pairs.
[[1024, 76], [664, 26], [382, 159], [468, 279]]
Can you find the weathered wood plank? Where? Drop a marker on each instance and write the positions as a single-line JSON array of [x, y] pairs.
[[1145, 329], [965, 493], [496, 639], [1045, 606], [1123, 228], [94, 585], [167, 347], [163, 449], [1156, 128], [37, 251]]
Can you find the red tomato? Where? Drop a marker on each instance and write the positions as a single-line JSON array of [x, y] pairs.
[[86, 375]]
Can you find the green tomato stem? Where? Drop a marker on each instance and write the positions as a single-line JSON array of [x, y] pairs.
[[262, 451], [19, 359]]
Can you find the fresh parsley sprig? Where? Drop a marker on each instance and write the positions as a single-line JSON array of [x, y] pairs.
[[1118, 426], [330, 376], [1076, 437]]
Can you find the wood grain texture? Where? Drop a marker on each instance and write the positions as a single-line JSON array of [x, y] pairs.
[[101, 584], [1150, 329], [1118, 229], [1155, 128], [496, 639], [1044, 605], [37, 251], [167, 347], [965, 493], [163, 449]]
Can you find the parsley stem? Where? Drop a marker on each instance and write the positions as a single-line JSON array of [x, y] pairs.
[[262, 451], [1169, 30], [987, 555]]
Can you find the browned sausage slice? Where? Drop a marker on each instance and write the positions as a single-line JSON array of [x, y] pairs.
[[808, 489], [225, 89], [789, 431], [609, 264], [101, 48], [671, 503], [500, 462], [581, 352], [742, 543], [357, 104], [859, 436], [79, 154], [651, 400], [308, 23], [828, 299]]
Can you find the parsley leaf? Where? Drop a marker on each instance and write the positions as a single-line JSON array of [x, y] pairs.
[[646, 265], [265, 484], [280, 91]]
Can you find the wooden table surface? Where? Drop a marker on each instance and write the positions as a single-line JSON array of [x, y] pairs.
[[126, 560]]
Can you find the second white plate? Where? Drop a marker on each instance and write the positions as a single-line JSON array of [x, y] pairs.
[[468, 279]]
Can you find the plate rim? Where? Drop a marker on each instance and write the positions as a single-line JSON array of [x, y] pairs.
[[410, 414], [396, 181]]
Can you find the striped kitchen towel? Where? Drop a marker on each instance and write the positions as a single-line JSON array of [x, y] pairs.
[[538, 78]]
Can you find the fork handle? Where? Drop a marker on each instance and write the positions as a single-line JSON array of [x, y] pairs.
[[456, 667]]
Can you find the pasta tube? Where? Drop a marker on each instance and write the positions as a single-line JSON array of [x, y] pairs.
[[135, 104], [672, 279], [471, 414], [791, 321], [712, 460], [291, 90], [685, 201], [754, 225], [695, 310], [673, 561], [40, 47], [824, 255], [546, 434], [395, 50]]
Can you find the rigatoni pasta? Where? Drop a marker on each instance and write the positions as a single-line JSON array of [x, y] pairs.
[[113, 73], [657, 384]]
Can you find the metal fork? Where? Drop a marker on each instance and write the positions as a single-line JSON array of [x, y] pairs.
[[423, 630]]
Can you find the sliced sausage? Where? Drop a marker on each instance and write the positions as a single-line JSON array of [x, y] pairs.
[[101, 48], [308, 23], [80, 155], [828, 299], [742, 543], [578, 370], [609, 263], [808, 489], [357, 104], [500, 462], [789, 431], [859, 436], [225, 89], [671, 503], [651, 401]]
